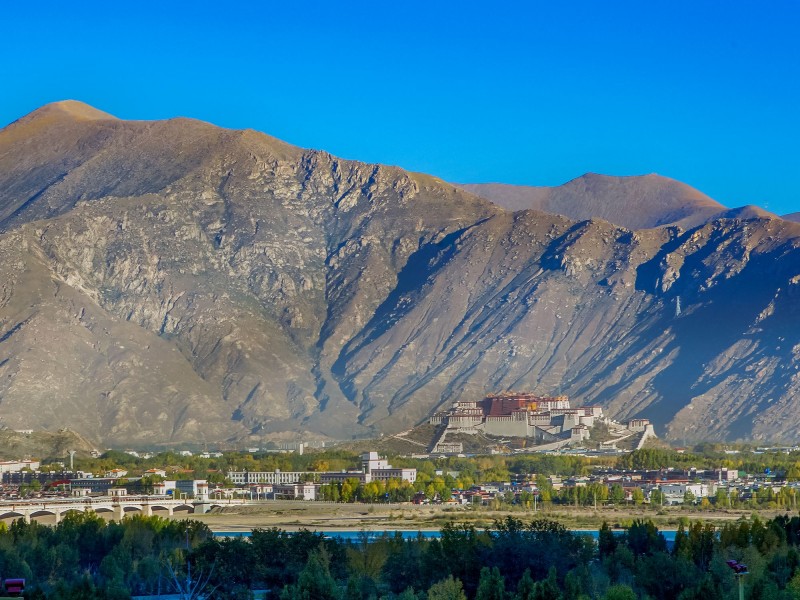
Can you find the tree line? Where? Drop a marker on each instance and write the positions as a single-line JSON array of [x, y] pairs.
[[83, 557]]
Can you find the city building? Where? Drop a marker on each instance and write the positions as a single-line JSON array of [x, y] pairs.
[[189, 488], [155, 473], [14, 466], [116, 473], [296, 491], [520, 414], [276, 477], [373, 468], [193, 488], [93, 485]]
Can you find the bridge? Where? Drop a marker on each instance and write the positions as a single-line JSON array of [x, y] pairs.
[[113, 507]]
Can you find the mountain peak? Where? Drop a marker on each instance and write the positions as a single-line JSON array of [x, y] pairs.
[[747, 211], [635, 201], [65, 112], [75, 109]]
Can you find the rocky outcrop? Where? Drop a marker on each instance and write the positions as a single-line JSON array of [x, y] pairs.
[[165, 281]]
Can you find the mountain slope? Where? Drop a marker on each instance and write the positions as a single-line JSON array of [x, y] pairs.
[[178, 281], [253, 260], [638, 202]]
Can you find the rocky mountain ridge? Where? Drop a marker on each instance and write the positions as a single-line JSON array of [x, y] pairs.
[[794, 217], [635, 202], [171, 280]]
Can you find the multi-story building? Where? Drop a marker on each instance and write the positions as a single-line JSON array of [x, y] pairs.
[[193, 488], [373, 468], [296, 491], [14, 466], [674, 493], [93, 485], [638, 424], [379, 469], [276, 477], [516, 414], [190, 488]]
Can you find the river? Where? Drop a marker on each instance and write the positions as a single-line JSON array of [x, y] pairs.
[[351, 534]]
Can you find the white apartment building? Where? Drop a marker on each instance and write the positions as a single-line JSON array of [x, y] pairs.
[[675, 492], [373, 468], [276, 477], [15, 466]]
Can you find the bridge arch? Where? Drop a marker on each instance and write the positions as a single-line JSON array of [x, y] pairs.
[[104, 513], [44, 515], [11, 515]]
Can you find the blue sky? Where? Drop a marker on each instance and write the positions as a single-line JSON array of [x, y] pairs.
[[527, 93]]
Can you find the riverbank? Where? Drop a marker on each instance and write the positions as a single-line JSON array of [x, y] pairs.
[[321, 516]]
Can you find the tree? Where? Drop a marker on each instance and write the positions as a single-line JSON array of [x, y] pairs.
[[188, 588], [545, 488], [320, 465], [597, 493], [680, 546], [701, 543], [606, 541], [643, 538], [430, 492], [348, 490], [447, 589], [526, 499], [617, 494], [365, 562], [656, 497], [330, 491], [407, 594], [525, 587], [793, 587], [547, 589], [708, 590], [315, 581], [619, 592], [491, 586], [638, 496]]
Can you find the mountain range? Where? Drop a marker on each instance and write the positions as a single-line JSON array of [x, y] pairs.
[[171, 281]]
